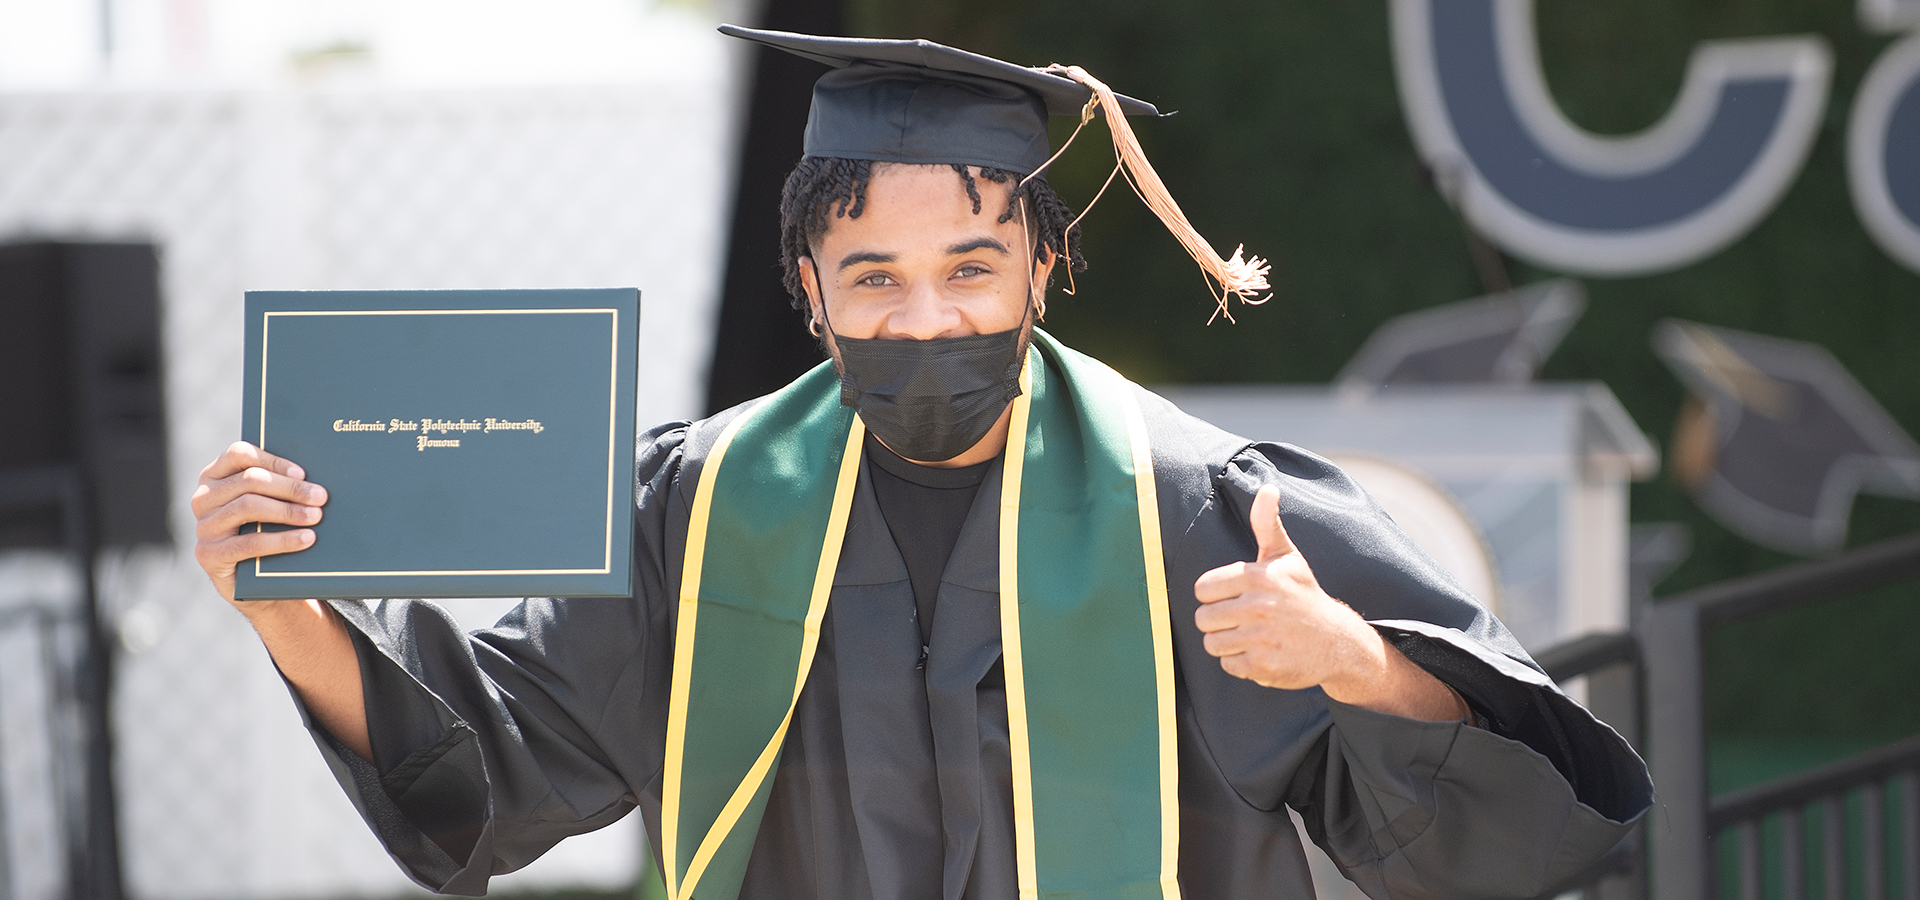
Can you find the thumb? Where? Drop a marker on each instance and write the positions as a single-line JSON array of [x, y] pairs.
[[1267, 530]]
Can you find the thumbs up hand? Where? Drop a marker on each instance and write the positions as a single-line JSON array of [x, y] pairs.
[[1269, 621]]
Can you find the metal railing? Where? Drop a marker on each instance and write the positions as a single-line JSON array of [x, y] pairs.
[[1870, 773], [82, 687], [49, 632], [1650, 684]]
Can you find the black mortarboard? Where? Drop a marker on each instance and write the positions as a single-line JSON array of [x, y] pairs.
[[922, 102], [925, 103], [1498, 339], [1778, 437]]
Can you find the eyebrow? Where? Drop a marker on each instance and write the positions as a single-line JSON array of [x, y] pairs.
[[979, 243], [964, 247], [863, 256]]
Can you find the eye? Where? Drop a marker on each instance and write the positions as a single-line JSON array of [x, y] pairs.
[[877, 279], [969, 270]]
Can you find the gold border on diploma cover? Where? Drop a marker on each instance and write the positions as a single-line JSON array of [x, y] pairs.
[[613, 394]]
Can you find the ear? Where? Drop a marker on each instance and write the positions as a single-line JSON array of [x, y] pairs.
[[1044, 265], [1042, 270], [810, 282]]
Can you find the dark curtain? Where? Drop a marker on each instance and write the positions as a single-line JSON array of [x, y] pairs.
[[762, 341]]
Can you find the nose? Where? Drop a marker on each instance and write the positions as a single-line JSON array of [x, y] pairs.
[[924, 314]]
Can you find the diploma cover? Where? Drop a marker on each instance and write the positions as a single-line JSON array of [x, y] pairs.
[[472, 443]]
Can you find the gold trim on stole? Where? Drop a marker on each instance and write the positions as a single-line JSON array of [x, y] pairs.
[[683, 658]]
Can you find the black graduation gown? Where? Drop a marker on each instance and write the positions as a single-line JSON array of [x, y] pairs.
[[893, 781]]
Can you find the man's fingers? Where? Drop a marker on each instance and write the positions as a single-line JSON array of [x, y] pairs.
[[1237, 665], [229, 517], [240, 456], [1225, 583], [219, 559], [1211, 617], [1225, 643], [1267, 530], [221, 556], [211, 495]]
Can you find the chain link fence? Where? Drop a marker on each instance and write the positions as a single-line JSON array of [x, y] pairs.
[[221, 793]]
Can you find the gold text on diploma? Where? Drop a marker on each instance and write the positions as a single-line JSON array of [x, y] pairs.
[[445, 425], [426, 425]]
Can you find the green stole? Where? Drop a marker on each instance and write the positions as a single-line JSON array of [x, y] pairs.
[[1082, 586]]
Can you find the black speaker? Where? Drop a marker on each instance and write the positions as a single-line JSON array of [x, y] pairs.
[[80, 386]]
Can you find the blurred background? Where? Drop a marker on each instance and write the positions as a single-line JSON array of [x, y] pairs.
[[1612, 305]]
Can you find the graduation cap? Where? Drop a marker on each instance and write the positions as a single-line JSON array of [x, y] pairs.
[[1497, 339], [926, 103], [1777, 438]]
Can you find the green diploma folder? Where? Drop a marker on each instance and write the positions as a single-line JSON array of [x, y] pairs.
[[472, 443]]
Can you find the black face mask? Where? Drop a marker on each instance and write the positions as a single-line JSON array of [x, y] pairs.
[[931, 400]]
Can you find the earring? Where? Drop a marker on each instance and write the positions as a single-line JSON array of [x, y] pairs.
[[813, 325]]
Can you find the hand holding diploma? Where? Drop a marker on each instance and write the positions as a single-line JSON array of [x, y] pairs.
[[246, 485], [305, 637]]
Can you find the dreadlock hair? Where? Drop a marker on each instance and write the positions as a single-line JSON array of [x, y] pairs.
[[823, 188]]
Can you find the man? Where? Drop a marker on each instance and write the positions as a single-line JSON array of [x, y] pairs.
[[1017, 628]]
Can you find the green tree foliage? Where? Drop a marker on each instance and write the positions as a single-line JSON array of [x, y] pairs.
[[1289, 137]]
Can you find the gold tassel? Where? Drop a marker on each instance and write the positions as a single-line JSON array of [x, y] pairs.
[[1237, 277]]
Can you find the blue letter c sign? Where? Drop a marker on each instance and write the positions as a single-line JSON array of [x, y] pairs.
[[1547, 191]]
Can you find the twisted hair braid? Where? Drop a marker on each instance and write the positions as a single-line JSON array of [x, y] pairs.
[[824, 188]]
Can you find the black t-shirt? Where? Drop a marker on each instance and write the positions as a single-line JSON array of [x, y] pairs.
[[925, 508]]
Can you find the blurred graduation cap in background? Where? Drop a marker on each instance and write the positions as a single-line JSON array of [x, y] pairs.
[[1497, 339], [1776, 437]]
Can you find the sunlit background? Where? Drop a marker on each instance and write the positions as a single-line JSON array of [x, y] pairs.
[[1572, 444], [265, 44]]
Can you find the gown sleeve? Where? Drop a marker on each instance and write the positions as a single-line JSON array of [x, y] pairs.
[[1408, 809], [490, 748]]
